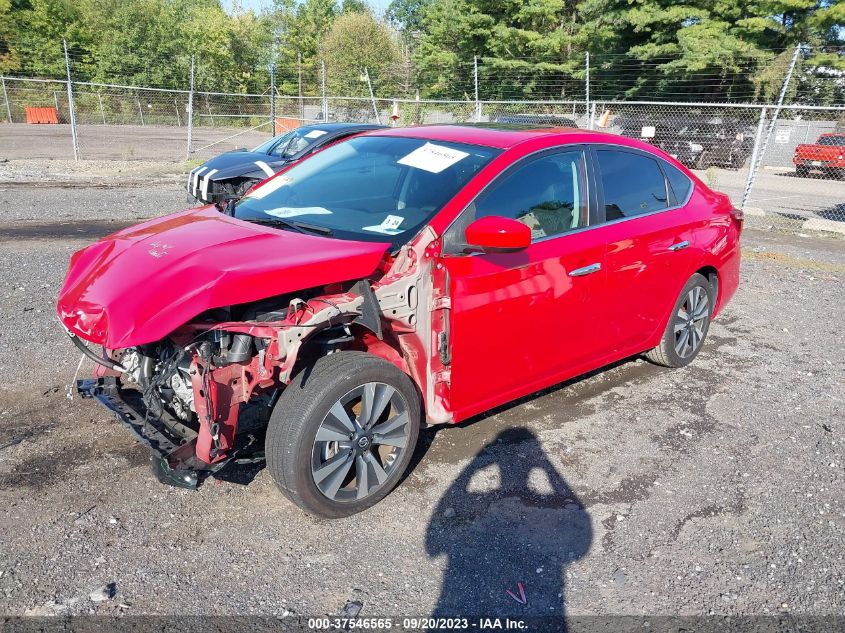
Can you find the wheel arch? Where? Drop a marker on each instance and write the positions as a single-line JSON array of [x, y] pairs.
[[712, 275]]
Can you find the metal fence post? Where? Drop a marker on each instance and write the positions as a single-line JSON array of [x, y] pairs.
[[70, 105], [592, 110], [758, 136], [190, 112], [323, 98], [102, 110], [6, 100], [299, 86], [140, 109], [587, 86], [372, 95], [475, 81], [273, 99], [762, 152]]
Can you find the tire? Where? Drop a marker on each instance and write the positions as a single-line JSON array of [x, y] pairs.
[[674, 349], [738, 160], [323, 475], [802, 171]]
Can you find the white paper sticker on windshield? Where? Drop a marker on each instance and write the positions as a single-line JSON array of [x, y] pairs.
[[433, 158], [292, 212], [315, 133], [269, 187], [389, 226]]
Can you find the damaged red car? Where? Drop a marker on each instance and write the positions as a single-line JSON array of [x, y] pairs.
[[403, 278]]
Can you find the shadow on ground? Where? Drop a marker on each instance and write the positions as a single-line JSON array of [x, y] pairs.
[[509, 519]]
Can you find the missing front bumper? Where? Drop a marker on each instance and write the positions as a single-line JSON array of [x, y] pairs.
[[172, 444]]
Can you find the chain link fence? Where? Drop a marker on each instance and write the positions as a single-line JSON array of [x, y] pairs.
[[785, 165]]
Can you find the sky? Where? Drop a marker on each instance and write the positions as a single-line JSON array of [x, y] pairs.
[[257, 5]]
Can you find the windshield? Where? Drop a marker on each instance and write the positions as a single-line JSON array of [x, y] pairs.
[[836, 141], [369, 188], [291, 143]]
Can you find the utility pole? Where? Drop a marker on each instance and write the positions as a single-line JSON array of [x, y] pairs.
[[273, 98], [372, 95], [70, 105], [190, 109]]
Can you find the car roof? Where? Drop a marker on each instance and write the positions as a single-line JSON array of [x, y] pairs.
[[337, 126], [505, 136]]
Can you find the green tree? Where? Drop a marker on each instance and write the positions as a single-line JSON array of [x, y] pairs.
[[357, 41]]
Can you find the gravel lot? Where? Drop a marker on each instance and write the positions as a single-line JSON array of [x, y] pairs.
[[716, 489]]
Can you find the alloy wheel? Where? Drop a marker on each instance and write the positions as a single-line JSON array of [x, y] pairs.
[[360, 441], [691, 322]]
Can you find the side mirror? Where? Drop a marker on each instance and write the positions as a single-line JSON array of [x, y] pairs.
[[497, 234]]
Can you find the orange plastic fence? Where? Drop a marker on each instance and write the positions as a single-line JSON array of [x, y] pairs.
[[283, 124], [42, 115]]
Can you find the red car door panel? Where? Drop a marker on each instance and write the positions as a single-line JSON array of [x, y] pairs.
[[520, 320], [651, 245], [645, 260]]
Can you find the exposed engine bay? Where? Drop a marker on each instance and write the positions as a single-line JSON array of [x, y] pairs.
[[203, 395]]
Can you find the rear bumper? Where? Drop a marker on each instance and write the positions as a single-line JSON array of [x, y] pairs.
[[818, 164]]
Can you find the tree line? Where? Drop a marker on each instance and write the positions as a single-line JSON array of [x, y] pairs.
[[707, 50]]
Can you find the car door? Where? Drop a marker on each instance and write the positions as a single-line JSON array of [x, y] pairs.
[[521, 320], [650, 244]]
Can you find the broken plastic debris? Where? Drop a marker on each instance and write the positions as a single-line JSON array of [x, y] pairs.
[[521, 598]]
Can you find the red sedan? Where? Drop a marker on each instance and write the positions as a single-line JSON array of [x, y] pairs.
[[406, 277]]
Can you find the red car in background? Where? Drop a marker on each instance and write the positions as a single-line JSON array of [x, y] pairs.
[[405, 277], [826, 155]]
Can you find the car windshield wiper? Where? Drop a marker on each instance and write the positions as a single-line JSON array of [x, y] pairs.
[[299, 227]]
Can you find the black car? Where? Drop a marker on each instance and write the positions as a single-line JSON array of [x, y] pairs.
[[232, 173], [698, 141]]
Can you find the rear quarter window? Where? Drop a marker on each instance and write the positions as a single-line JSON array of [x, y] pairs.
[[681, 185]]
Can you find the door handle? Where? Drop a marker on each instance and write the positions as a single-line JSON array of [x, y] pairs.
[[586, 270], [679, 245]]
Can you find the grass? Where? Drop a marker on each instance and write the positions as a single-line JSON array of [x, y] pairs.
[[791, 261]]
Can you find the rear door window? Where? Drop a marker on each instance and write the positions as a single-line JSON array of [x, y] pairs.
[[633, 184]]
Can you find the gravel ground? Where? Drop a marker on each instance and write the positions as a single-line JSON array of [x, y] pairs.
[[123, 142], [715, 489]]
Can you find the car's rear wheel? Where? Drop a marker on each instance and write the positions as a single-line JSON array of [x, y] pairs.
[[688, 325], [802, 171], [342, 434]]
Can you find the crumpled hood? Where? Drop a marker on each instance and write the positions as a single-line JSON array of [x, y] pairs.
[[241, 163], [138, 285]]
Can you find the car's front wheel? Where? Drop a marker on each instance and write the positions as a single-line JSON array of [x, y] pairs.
[[343, 433], [688, 325]]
